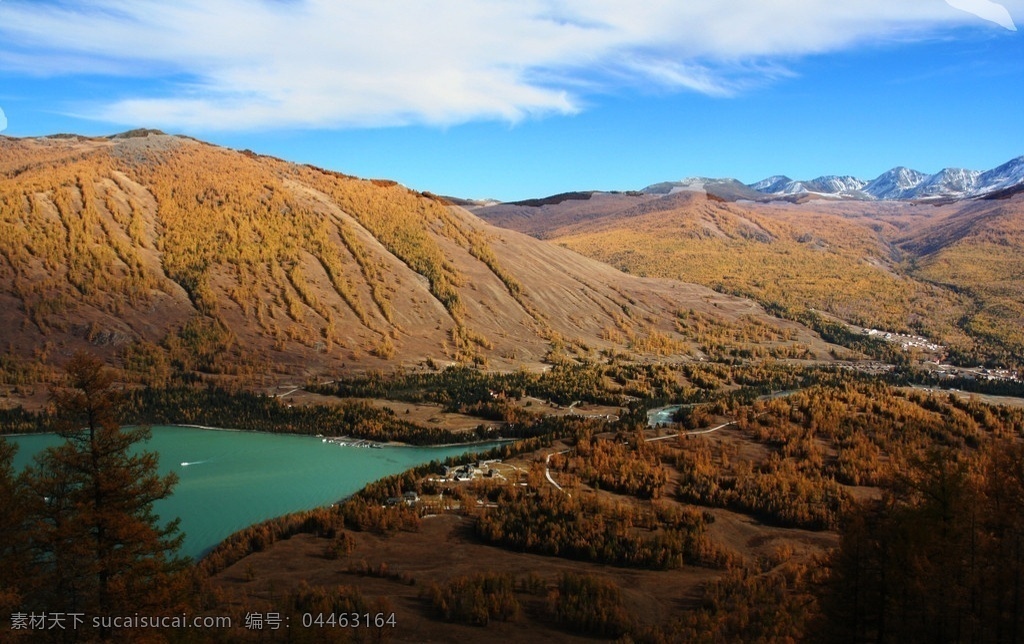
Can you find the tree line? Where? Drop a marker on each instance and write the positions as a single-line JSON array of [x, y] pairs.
[[549, 522]]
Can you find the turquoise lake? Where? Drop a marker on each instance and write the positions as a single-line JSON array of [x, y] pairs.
[[229, 480]]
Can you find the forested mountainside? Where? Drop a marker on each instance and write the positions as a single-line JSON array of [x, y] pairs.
[[950, 271], [165, 254]]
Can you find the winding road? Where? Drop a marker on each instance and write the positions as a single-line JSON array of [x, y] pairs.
[[693, 432], [547, 469]]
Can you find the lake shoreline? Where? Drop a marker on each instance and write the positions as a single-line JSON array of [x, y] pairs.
[[367, 440], [259, 431], [238, 478]]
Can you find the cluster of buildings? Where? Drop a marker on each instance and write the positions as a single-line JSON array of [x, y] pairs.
[[470, 471], [976, 373], [458, 474], [408, 498], [906, 341]]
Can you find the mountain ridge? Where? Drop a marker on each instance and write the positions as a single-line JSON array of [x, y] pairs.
[[906, 184], [897, 184], [944, 268], [166, 254]]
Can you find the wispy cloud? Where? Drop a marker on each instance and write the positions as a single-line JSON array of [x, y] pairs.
[[987, 10], [251, 64], [3, 120]]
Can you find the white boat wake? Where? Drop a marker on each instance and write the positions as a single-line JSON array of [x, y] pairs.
[[187, 463]]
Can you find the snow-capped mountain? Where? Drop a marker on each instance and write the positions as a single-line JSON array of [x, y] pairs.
[[897, 183], [1008, 175], [772, 185], [828, 184], [725, 188], [949, 182], [837, 185], [902, 184]]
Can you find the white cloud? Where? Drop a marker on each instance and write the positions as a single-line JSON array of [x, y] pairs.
[[987, 10], [3, 120], [319, 63]]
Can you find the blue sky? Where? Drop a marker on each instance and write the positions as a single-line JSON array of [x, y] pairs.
[[522, 98]]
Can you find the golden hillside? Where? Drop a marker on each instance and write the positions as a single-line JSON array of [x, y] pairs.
[[949, 272], [167, 254], [978, 249]]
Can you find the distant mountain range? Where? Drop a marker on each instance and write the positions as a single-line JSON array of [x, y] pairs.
[[898, 184]]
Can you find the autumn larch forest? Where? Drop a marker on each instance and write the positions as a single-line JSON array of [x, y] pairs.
[[721, 421]]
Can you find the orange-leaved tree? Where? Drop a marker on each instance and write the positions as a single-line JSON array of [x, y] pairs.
[[99, 548]]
